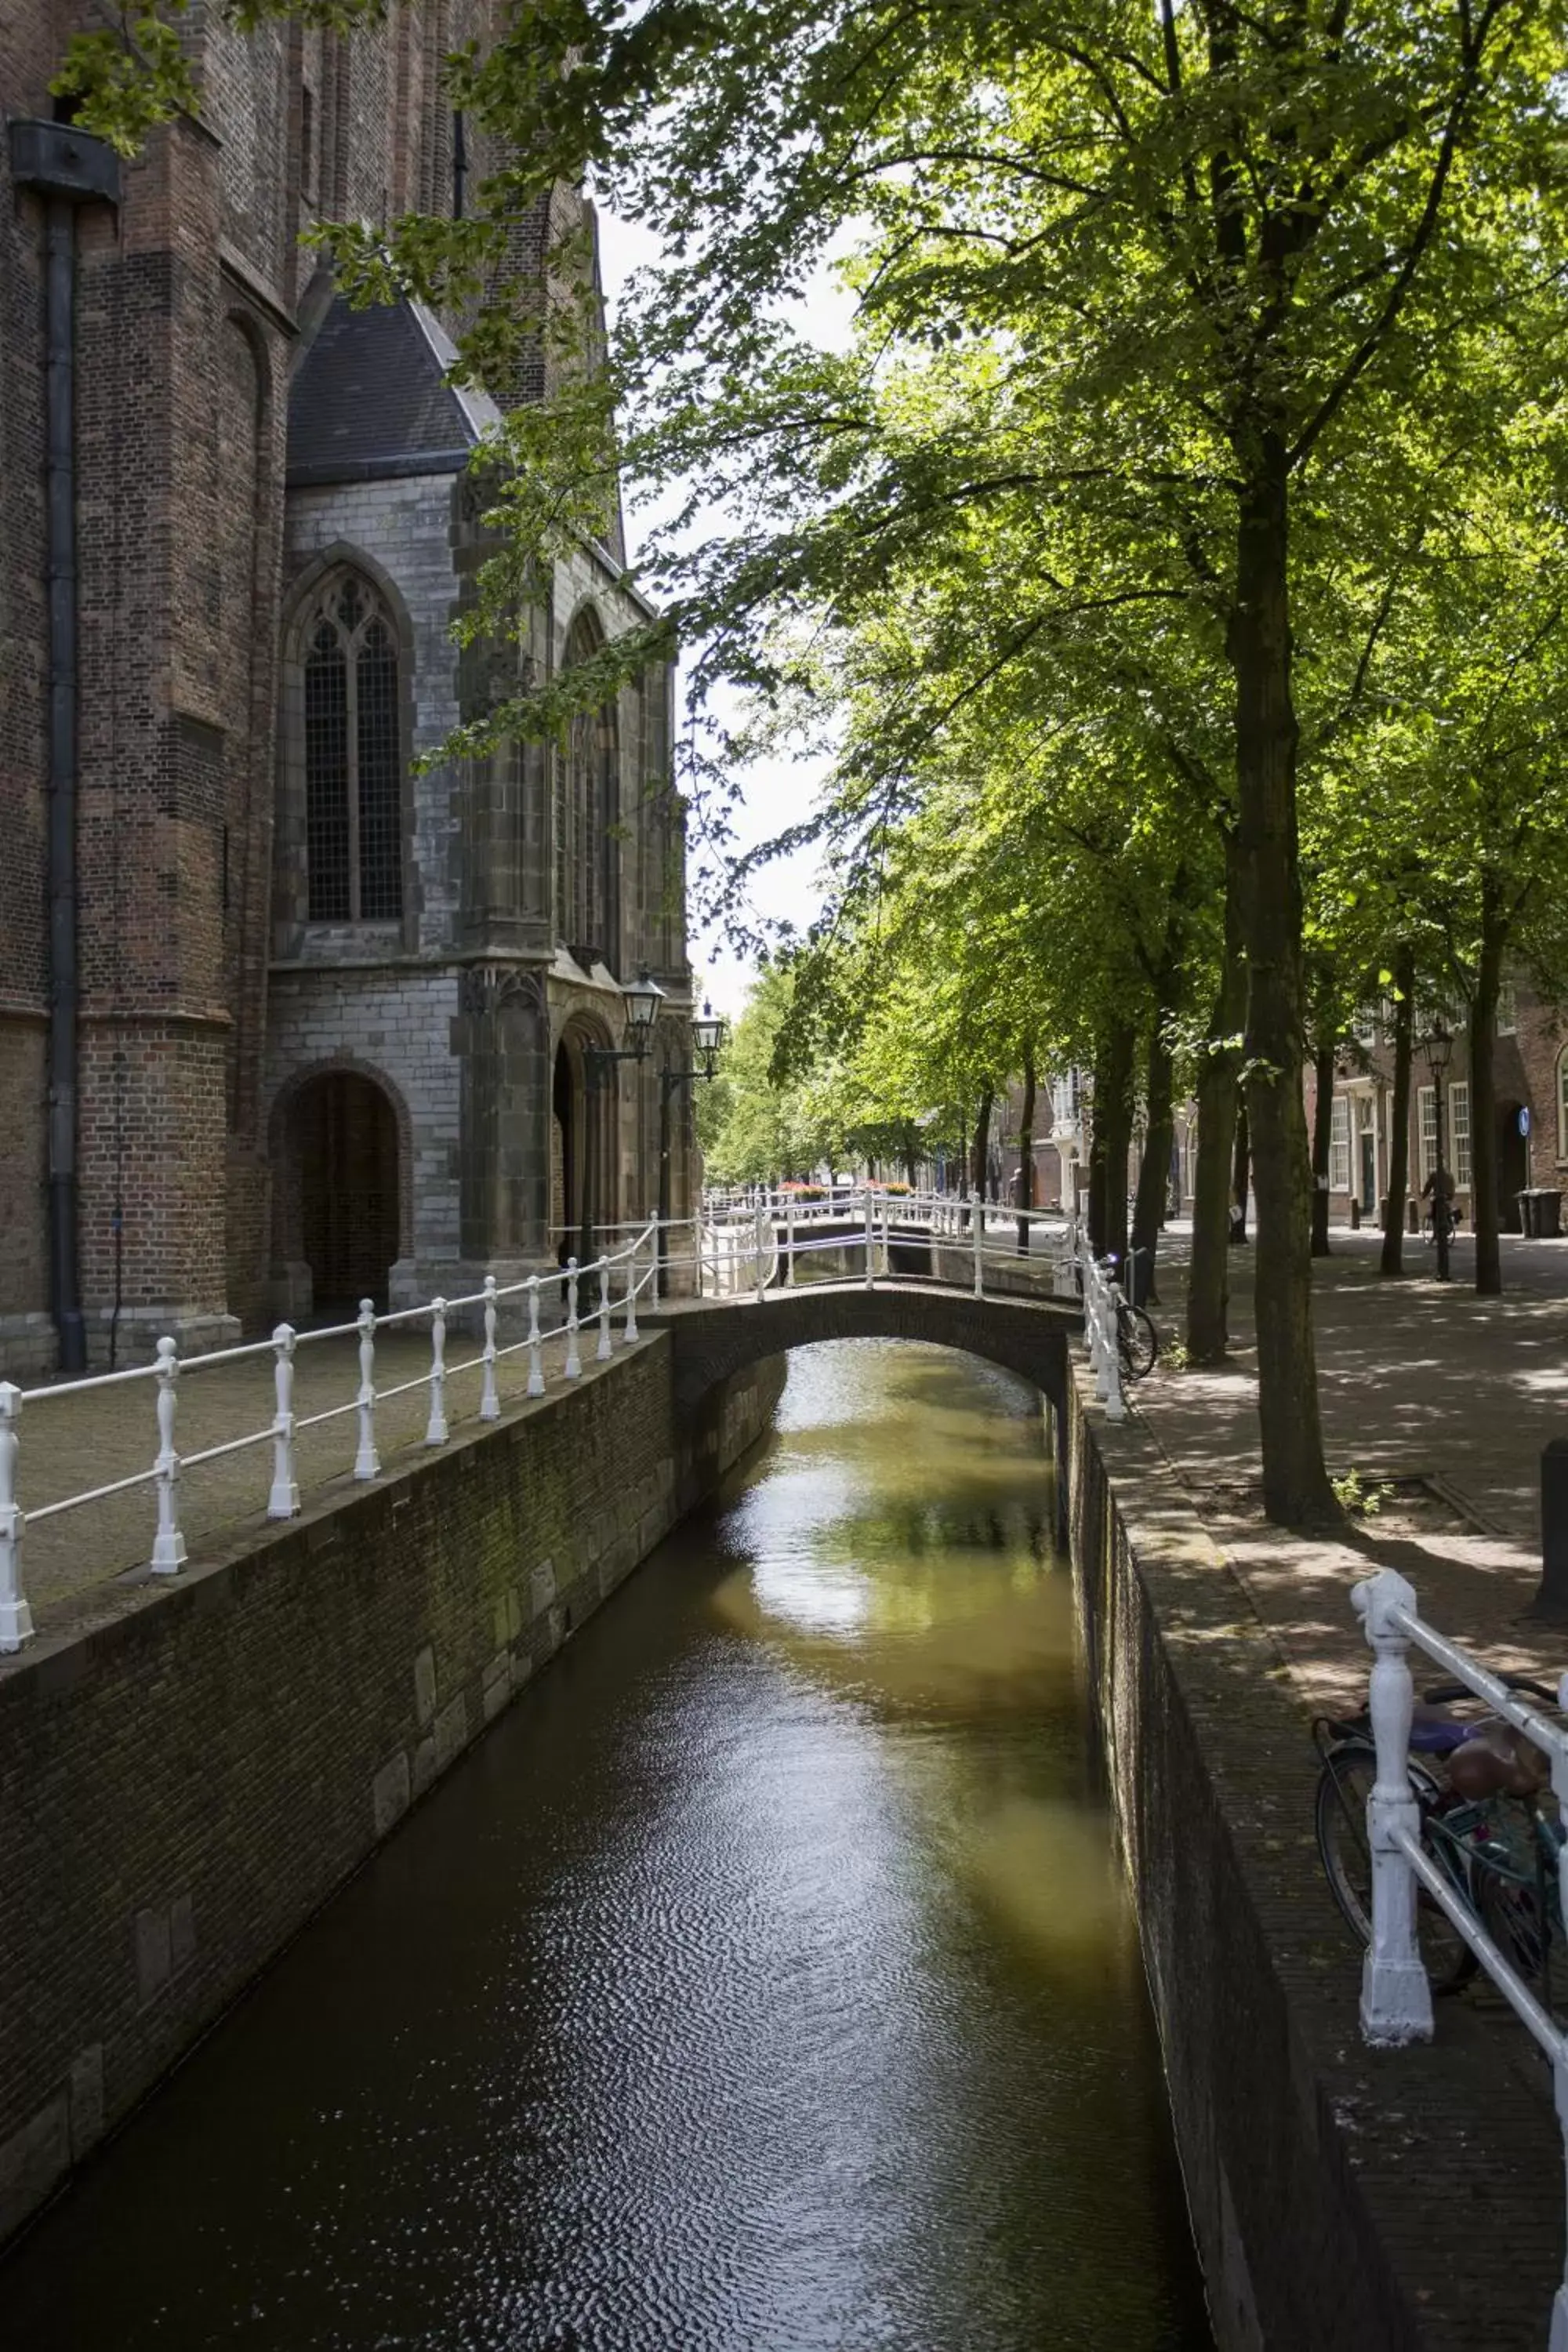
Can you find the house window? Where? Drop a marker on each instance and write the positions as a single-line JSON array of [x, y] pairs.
[[353, 767], [1563, 1105], [1506, 1008], [1339, 1145], [1426, 1131], [1460, 1133], [1364, 1026]]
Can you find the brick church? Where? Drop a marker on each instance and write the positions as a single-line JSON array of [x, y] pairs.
[[287, 1019]]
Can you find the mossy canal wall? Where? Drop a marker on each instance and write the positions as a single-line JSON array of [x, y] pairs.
[[1343, 2200], [183, 1782]]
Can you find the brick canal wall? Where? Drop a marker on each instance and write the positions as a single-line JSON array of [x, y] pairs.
[[1343, 2201], [182, 1786]]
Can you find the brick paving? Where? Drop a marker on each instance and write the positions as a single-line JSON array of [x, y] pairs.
[[71, 1442], [1419, 1381]]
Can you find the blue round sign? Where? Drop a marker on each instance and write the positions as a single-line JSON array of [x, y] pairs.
[[1524, 1119]]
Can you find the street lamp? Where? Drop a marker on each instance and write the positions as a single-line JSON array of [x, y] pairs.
[[707, 1037], [642, 998], [1439, 1045]]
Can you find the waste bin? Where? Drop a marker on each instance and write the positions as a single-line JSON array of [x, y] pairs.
[[1540, 1213]]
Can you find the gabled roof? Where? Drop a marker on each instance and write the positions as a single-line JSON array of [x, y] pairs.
[[369, 400]]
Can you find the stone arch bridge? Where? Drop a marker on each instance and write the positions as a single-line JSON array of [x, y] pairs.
[[713, 1338]]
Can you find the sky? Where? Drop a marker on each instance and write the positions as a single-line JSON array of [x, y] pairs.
[[779, 793]]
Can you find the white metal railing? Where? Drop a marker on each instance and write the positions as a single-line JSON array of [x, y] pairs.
[[733, 1249], [1396, 1995], [631, 1268]]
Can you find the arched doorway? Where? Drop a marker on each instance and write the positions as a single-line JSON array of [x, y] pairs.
[[583, 1130], [345, 1146], [1513, 1164], [566, 1138]]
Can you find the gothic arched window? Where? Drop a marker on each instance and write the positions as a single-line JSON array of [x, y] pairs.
[[353, 766], [587, 807]]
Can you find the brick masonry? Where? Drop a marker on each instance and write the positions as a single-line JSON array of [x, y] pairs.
[[183, 1786], [1343, 2200]]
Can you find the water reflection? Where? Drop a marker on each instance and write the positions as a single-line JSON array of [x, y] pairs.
[[763, 1985]]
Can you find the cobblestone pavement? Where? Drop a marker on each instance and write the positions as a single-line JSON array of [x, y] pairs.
[[71, 1442]]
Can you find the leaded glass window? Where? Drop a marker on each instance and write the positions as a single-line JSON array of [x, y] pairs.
[[354, 764]]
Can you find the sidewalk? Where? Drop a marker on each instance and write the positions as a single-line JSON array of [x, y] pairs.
[[1419, 1382]]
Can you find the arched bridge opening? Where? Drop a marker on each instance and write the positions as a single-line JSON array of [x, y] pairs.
[[713, 1340]]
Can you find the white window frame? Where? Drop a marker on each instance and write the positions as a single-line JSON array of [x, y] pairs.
[[1507, 1009], [1425, 1133], [1460, 1159], [1340, 1145]]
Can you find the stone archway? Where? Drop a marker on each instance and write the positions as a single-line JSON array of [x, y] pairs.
[[343, 1193], [583, 1128]]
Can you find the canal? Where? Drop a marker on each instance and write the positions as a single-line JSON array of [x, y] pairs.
[[764, 1983]]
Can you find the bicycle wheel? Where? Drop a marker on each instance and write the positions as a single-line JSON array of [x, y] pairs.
[[1137, 1342], [1510, 1897], [1344, 1785]]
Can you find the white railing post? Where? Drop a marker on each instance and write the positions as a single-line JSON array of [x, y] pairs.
[[168, 1544], [871, 1240], [490, 1402], [16, 1617], [368, 1461], [654, 1286], [436, 1427], [284, 1500], [605, 1348], [630, 1332], [762, 1250], [789, 1241], [573, 1360], [1115, 1405], [887, 1237], [977, 1243], [1395, 1997], [535, 1363]]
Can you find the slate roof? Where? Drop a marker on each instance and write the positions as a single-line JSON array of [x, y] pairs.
[[368, 400]]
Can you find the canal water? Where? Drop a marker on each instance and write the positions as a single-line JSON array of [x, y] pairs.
[[764, 1983]]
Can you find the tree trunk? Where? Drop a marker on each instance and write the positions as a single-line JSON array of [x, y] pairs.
[[1113, 1130], [1240, 1174], [912, 1164], [1296, 1488], [1208, 1285], [1154, 1169], [982, 1145], [1026, 1155], [1483, 1094], [1322, 1135], [1393, 1259]]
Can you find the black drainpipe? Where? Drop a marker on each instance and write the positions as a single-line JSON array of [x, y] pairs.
[[67, 168]]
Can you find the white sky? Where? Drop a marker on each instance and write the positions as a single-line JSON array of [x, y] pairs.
[[779, 793]]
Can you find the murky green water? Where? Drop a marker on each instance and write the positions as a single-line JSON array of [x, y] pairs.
[[763, 1984]]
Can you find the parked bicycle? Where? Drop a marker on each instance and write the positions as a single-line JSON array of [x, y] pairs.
[[1137, 1340], [1479, 1784]]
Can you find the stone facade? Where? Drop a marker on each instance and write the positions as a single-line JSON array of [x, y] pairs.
[[244, 445]]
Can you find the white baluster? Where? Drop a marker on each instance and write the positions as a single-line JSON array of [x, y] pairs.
[[490, 1402], [605, 1348], [368, 1461], [168, 1544], [435, 1428], [870, 1241], [574, 1361], [1395, 1997], [887, 1242], [789, 1242], [284, 1500], [630, 1331], [535, 1360], [762, 1250], [16, 1617], [977, 1242], [1115, 1409]]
